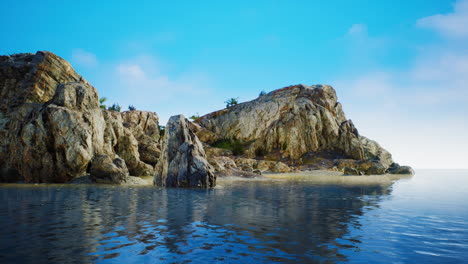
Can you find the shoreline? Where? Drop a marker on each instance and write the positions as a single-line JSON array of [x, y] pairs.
[[315, 176]]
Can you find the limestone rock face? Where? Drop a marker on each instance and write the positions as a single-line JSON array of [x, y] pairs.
[[29, 78], [55, 141], [52, 128], [145, 128], [183, 161], [290, 122], [122, 141]]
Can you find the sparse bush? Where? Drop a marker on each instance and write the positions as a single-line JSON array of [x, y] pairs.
[[231, 102], [131, 108], [114, 107], [262, 93], [195, 117], [233, 145], [162, 130], [102, 100], [285, 146]]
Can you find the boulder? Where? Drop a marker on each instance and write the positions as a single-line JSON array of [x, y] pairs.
[[104, 169], [222, 163], [183, 161], [249, 165], [362, 167], [395, 168], [350, 171]]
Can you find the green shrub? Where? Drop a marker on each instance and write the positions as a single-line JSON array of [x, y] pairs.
[[102, 100], [114, 107], [233, 145], [231, 102], [162, 129], [195, 117]]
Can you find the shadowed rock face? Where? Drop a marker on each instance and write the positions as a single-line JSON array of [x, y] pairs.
[[52, 128], [292, 121], [183, 161]]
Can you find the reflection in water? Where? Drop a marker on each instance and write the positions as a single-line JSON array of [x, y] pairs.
[[243, 222]]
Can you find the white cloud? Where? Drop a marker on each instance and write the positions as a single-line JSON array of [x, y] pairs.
[[419, 113], [131, 72], [454, 24], [146, 83], [84, 58]]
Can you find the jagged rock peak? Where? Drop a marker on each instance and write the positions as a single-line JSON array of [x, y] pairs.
[[183, 160]]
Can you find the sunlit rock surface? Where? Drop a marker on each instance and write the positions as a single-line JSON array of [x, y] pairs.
[[52, 127], [288, 123]]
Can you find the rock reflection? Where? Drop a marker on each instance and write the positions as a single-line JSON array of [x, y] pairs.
[[245, 221]]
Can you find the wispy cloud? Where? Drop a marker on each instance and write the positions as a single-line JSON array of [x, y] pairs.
[[84, 58], [142, 77], [145, 82], [417, 111], [452, 25]]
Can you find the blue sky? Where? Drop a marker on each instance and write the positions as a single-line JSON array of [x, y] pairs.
[[400, 68]]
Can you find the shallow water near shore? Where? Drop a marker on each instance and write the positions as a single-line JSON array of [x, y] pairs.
[[297, 218]]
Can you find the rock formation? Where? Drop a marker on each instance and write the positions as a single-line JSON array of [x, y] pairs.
[[289, 123], [53, 130], [183, 160]]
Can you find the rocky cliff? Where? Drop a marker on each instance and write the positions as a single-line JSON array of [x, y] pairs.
[[297, 124], [53, 130]]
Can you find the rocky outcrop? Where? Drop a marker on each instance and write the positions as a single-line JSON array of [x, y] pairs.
[[395, 168], [288, 123], [183, 160], [53, 130]]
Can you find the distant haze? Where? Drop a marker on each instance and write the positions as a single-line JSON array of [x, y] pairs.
[[400, 68]]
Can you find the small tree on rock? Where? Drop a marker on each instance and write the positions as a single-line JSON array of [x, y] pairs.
[[231, 102], [102, 100], [114, 107], [195, 117]]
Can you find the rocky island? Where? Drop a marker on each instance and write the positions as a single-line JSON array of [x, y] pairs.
[[52, 130]]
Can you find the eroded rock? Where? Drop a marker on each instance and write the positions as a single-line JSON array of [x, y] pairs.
[[52, 128], [183, 161], [289, 123]]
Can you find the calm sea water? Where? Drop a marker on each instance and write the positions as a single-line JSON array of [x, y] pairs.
[[423, 219]]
